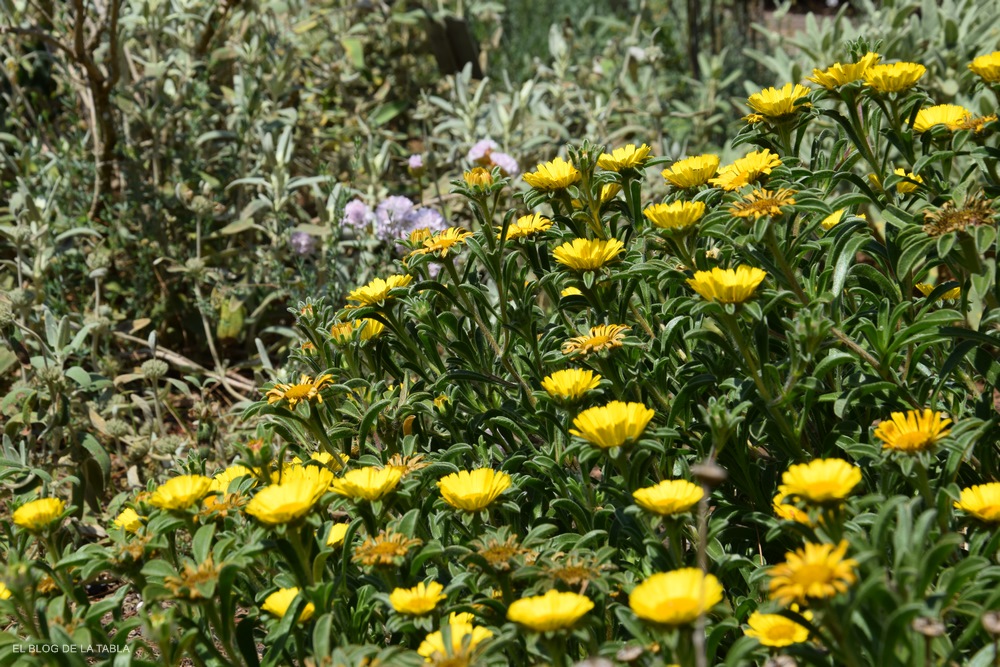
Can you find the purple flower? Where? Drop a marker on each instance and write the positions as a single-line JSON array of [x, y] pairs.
[[507, 164], [357, 214], [391, 216], [302, 243], [415, 161], [480, 152], [422, 217]]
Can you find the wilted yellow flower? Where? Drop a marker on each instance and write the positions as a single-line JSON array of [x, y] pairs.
[[671, 496], [927, 289], [746, 170], [981, 501], [293, 498], [306, 389], [727, 285], [465, 637], [691, 171], [987, 67], [549, 612], [478, 177], [820, 481], [386, 548], [976, 123], [527, 225], [588, 254], [777, 631], [675, 598], [367, 483], [789, 512], [338, 531], [778, 102], [816, 571], [753, 118], [628, 157], [409, 464], [222, 479], [443, 242], [838, 75], [894, 77], [128, 520], [180, 493], [38, 514], [601, 337], [278, 602], [832, 220], [951, 116], [912, 431], [571, 291], [612, 425], [554, 175], [474, 490], [571, 383], [760, 203], [677, 216], [417, 601], [376, 292]]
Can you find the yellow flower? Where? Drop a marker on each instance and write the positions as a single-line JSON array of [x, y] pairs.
[[129, 520], [377, 291], [474, 490], [951, 116], [443, 242], [327, 459], [527, 225], [675, 598], [417, 601], [570, 384], [987, 67], [386, 548], [777, 631], [587, 254], [601, 337], [222, 479], [300, 489], [906, 187], [465, 637], [478, 177], [761, 203], [727, 285], [338, 531], [278, 602], [691, 171], [976, 123], [372, 329], [894, 77], [4, 591], [820, 481], [832, 220], [677, 216], [671, 496], [612, 425], [927, 289], [746, 170], [981, 501], [341, 332], [753, 118], [610, 190], [778, 102], [38, 514], [306, 390], [912, 431], [549, 612], [180, 493], [838, 75], [367, 483], [571, 291], [628, 157], [788, 512], [815, 571], [554, 175]]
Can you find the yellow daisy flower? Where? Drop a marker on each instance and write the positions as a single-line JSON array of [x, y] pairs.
[[278, 602], [820, 481], [570, 384], [306, 390], [474, 490], [610, 190], [838, 75], [293, 498], [761, 203], [465, 637], [815, 571], [478, 177], [367, 483], [951, 116], [550, 612], [981, 501], [372, 329], [386, 548], [377, 291], [335, 538], [671, 496], [38, 514], [987, 67], [554, 175], [927, 289], [600, 338], [222, 479], [526, 226], [571, 291], [677, 216], [588, 254], [748, 169], [894, 77], [788, 512], [342, 332], [906, 187], [128, 520], [727, 285], [628, 157], [612, 425], [180, 493], [443, 242], [4, 591], [691, 171], [778, 102], [776, 631], [675, 598], [417, 601], [912, 431], [832, 220]]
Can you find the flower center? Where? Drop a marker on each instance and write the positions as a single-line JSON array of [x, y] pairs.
[[913, 441], [299, 391], [808, 575]]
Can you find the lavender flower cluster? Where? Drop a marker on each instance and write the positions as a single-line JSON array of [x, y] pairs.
[[394, 218], [484, 153]]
